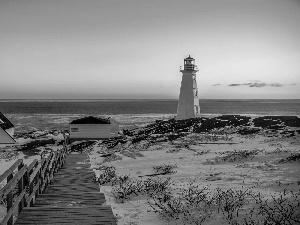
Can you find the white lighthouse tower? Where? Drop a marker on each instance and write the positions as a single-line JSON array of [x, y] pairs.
[[188, 105]]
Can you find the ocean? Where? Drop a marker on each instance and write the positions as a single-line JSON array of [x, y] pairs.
[[29, 115]]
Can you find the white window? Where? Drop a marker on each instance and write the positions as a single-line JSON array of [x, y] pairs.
[[74, 129]]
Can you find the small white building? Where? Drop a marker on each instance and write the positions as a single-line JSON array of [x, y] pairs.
[[7, 130], [93, 128]]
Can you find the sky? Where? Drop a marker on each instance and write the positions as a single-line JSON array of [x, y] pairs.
[[123, 49]]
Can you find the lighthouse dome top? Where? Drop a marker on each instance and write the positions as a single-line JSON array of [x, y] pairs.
[[189, 58], [189, 64]]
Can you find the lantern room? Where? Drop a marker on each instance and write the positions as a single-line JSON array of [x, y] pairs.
[[189, 64]]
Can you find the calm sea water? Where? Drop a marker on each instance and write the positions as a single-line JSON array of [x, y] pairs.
[[113, 107], [28, 115]]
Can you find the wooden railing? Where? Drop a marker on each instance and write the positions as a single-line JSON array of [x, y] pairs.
[[23, 187]]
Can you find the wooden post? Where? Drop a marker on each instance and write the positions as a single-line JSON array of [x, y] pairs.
[[30, 192], [9, 199], [20, 188], [26, 183], [40, 178], [49, 169], [36, 181], [57, 161]]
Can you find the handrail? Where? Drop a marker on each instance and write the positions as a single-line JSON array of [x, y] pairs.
[[12, 183], [10, 170], [34, 177], [32, 165]]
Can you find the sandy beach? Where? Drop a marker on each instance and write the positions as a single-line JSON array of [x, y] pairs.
[[225, 175]]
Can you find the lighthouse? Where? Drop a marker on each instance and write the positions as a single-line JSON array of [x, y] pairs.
[[188, 105]]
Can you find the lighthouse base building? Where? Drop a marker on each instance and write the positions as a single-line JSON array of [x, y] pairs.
[[188, 105]]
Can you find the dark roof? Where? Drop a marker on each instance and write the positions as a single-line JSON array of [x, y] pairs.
[[91, 120], [5, 123], [190, 58]]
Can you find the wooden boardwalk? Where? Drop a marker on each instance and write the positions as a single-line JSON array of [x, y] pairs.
[[72, 198]]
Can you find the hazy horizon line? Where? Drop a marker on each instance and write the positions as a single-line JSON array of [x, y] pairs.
[[137, 99]]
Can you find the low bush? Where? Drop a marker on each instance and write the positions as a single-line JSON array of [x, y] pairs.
[[108, 174], [293, 158], [112, 157], [125, 190], [282, 210], [165, 168], [196, 205], [35, 144], [233, 156], [82, 146], [203, 152], [131, 154], [190, 206]]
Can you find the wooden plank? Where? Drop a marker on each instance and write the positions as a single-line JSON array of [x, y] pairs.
[[11, 210], [9, 199], [32, 165], [43, 215], [45, 166], [52, 166], [30, 199], [35, 171], [46, 171], [10, 170], [12, 183], [72, 203], [51, 157], [21, 187]]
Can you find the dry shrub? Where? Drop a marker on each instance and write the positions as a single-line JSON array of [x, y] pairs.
[[112, 157], [196, 205], [108, 174], [165, 168], [233, 156], [124, 190], [293, 158]]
